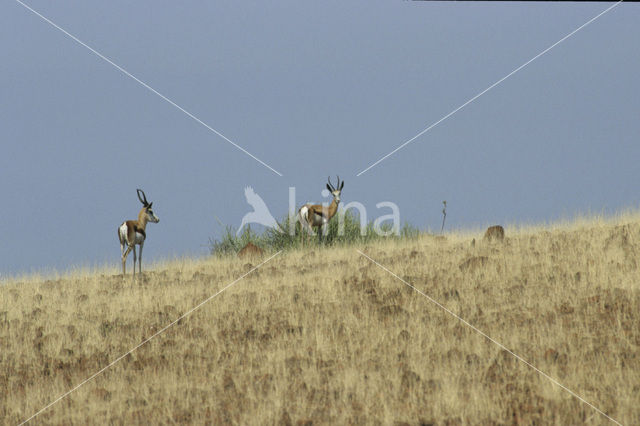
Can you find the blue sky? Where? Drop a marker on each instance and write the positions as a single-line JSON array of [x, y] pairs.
[[312, 89]]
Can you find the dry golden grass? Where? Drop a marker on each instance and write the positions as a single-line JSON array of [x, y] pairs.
[[326, 336]]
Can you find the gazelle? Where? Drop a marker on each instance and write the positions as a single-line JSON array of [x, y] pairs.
[[316, 215], [132, 232]]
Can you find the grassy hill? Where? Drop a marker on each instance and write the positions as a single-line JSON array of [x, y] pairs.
[[324, 335]]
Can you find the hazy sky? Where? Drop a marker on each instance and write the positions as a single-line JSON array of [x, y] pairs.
[[312, 89]]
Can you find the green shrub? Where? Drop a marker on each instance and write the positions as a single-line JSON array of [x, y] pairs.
[[273, 240]]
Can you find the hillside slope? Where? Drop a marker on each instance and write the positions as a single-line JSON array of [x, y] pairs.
[[325, 335]]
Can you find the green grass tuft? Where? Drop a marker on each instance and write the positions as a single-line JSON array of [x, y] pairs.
[[272, 240]]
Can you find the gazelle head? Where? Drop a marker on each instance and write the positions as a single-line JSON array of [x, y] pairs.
[[335, 191], [150, 216]]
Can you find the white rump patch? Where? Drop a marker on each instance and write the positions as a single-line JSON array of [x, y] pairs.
[[123, 232]]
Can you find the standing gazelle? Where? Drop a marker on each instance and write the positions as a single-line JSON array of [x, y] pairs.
[[132, 232], [316, 215]]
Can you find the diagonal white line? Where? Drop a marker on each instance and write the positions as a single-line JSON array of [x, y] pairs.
[[146, 341], [145, 85], [519, 358], [490, 87]]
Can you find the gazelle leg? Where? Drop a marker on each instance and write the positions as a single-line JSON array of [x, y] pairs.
[[308, 230], [140, 258], [134, 260], [303, 230], [325, 231], [124, 260]]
